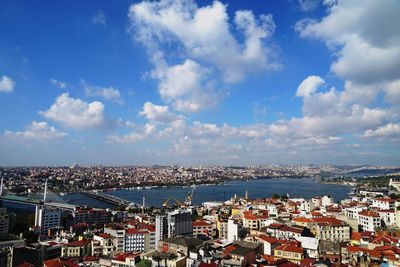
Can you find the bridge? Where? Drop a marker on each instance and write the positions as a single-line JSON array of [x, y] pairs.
[[56, 202], [114, 200]]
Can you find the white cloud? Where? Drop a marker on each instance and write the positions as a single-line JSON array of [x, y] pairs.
[[203, 32], [99, 18], [139, 134], [308, 5], [157, 113], [109, 93], [187, 86], [362, 37], [309, 85], [7, 84], [61, 85], [37, 131], [390, 130], [76, 113]]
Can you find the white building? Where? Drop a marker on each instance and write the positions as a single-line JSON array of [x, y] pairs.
[[47, 218], [233, 230], [105, 242], [352, 212], [384, 203], [388, 217], [119, 236], [369, 220], [139, 240], [327, 201]]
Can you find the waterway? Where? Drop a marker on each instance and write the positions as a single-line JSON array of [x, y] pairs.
[[257, 188]]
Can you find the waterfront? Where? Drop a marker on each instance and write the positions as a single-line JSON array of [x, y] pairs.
[[258, 188]]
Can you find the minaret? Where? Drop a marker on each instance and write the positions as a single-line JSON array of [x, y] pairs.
[[246, 195], [143, 204], [45, 192]]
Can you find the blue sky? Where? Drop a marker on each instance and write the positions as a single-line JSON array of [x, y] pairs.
[[199, 83]]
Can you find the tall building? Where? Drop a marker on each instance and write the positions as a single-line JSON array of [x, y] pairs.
[[4, 221], [47, 218], [161, 227], [180, 222]]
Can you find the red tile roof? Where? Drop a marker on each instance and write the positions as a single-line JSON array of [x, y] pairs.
[[79, 243], [369, 213], [201, 223], [290, 248], [59, 263], [269, 239]]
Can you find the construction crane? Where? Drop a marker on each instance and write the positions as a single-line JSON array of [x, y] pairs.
[[189, 198], [165, 203]]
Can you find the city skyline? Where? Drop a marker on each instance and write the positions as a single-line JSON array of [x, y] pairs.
[[199, 83]]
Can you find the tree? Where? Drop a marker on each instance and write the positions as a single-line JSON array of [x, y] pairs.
[[275, 196]]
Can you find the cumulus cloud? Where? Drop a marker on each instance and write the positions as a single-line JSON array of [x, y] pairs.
[[362, 37], [391, 130], [140, 133], [37, 131], [76, 113], [199, 34], [109, 93], [204, 32], [157, 113], [309, 85], [7, 84], [61, 85], [187, 86]]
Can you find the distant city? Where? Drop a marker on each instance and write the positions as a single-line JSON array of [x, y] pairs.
[[38, 227]]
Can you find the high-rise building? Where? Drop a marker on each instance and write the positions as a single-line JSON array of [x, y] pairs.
[[47, 218], [180, 222], [161, 228], [4, 221]]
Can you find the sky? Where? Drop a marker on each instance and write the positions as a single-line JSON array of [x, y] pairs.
[[199, 82]]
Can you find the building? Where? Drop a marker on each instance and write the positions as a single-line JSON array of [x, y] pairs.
[[222, 228], [6, 256], [202, 228], [290, 252], [384, 203], [254, 221], [142, 239], [329, 228], [179, 244], [118, 232], [47, 218], [4, 221], [161, 228], [369, 220], [234, 227], [104, 244], [79, 248], [91, 216], [179, 223], [327, 201]]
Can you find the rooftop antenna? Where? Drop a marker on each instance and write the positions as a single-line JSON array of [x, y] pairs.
[[45, 191]]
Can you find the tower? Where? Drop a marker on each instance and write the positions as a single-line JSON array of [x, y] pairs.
[[1, 186], [45, 192]]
